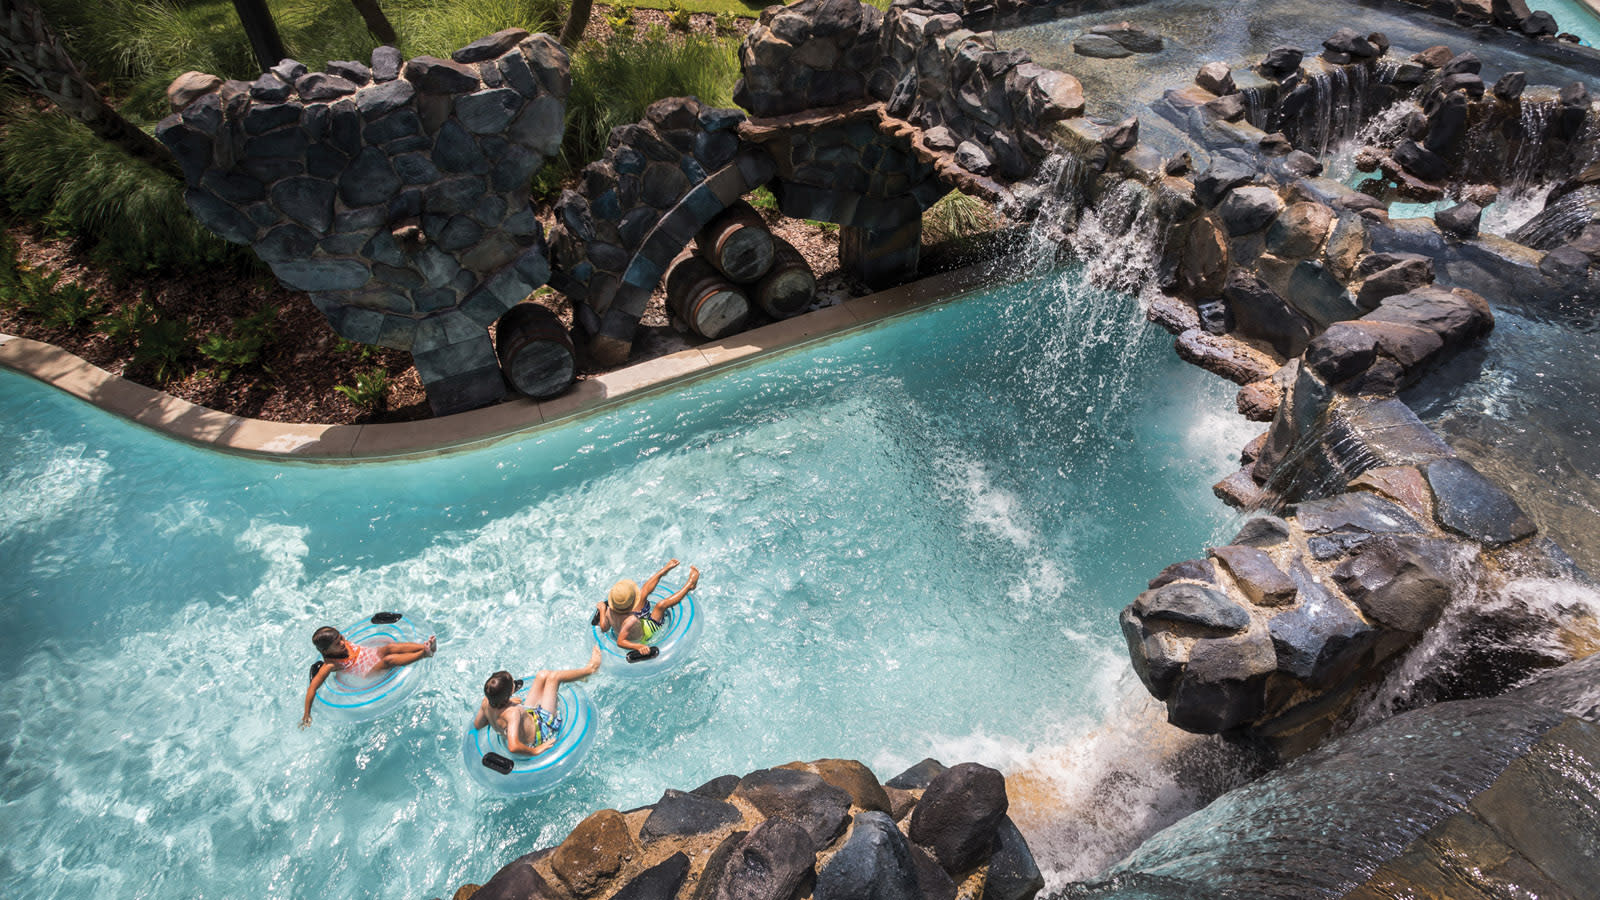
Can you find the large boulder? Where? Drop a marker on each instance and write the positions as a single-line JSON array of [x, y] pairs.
[[797, 796], [958, 816]]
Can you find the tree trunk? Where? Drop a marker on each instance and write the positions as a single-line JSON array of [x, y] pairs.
[[577, 21], [262, 31], [377, 22], [33, 52]]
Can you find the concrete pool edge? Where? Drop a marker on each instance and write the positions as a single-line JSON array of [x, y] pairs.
[[195, 424]]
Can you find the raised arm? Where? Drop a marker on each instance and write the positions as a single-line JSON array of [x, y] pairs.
[[311, 691]]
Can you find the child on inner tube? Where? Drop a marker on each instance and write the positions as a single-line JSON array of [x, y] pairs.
[[339, 655], [629, 615], [528, 731]]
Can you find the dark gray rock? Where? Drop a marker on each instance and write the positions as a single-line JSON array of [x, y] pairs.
[[1099, 46], [1404, 274], [1230, 108], [1455, 315], [1257, 576], [798, 796], [768, 864], [351, 71], [1222, 687], [402, 123], [957, 818], [269, 88], [1249, 209], [322, 274], [1319, 295], [1462, 62], [1013, 873], [308, 201], [1401, 582], [1262, 531], [1139, 40], [1539, 22], [488, 48], [1302, 164], [284, 243], [441, 76], [1468, 504], [1121, 137], [1471, 84], [369, 179], [874, 864], [488, 112], [1223, 176], [677, 814], [320, 86], [1189, 569], [517, 880], [385, 63], [1421, 162], [1215, 318], [659, 882], [716, 864], [1510, 86], [717, 788], [1357, 512], [1280, 62], [918, 776], [973, 158], [1319, 639], [379, 101], [1461, 220], [1181, 164], [1447, 123], [1350, 41], [1192, 604]]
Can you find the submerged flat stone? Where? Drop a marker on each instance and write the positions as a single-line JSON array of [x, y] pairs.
[[1468, 504]]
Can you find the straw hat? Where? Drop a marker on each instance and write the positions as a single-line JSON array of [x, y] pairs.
[[624, 594]]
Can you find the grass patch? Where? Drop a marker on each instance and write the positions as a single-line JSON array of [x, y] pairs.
[[740, 8]]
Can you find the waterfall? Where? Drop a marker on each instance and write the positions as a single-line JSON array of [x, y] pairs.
[[1339, 108], [1530, 161], [1382, 130]]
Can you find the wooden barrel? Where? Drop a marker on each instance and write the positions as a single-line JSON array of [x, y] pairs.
[[704, 300], [738, 243], [535, 351], [789, 286]]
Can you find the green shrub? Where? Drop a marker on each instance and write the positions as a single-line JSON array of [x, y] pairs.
[[163, 344], [58, 173], [621, 18], [440, 27], [243, 343], [614, 83], [124, 325], [957, 216], [369, 391], [65, 306], [678, 17], [727, 23]]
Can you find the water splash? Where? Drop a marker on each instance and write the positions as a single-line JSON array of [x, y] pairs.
[[1382, 130]]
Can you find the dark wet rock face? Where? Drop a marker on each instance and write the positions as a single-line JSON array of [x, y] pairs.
[[1474, 507], [957, 817], [801, 797]]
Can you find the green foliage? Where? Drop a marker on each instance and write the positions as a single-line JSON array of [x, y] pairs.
[[678, 16], [761, 198], [727, 23], [956, 217], [123, 325], [243, 343], [56, 172], [369, 391], [40, 295], [621, 18], [351, 348], [440, 27], [614, 83], [163, 344]]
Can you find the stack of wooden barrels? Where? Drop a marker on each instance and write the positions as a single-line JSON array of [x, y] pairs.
[[737, 260], [535, 350]]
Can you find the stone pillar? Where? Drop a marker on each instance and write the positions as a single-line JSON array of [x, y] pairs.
[[881, 256], [461, 375]]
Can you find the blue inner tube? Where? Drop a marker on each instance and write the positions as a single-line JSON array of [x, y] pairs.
[[533, 774], [674, 640], [350, 698]]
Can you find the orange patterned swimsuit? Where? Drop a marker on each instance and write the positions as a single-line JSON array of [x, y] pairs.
[[360, 661]]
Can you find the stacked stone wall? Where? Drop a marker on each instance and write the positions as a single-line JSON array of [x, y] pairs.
[[396, 194]]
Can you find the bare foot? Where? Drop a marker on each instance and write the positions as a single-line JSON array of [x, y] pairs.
[[671, 564], [694, 578], [433, 644], [594, 661]]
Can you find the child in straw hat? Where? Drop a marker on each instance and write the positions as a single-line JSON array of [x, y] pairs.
[[629, 615]]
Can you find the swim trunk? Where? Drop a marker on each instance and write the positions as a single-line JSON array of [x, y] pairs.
[[647, 626], [545, 725]]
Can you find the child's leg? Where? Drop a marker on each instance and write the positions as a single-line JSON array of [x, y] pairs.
[[659, 611], [403, 653], [651, 582]]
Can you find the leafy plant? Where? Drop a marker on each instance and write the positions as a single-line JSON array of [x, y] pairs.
[[163, 343], [621, 18], [727, 23], [678, 17], [370, 390], [66, 306], [957, 216], [124, 325], [352, 348], [242, 345], [762, 199]]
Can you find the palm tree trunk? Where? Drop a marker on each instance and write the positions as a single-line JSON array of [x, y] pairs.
[[377, 22], [31, 51], [262, 31], [577, 21]]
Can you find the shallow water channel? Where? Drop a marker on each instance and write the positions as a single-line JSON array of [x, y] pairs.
[[915, 539]]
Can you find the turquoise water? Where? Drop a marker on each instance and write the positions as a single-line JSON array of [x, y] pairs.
[[915, 541], [1572, 16]]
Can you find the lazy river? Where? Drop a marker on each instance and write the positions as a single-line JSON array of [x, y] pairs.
[[915, 539]]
